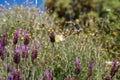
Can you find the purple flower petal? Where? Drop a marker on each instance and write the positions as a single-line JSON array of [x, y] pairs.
[[91, 64], [47, 73], [10, 77], [76, 61], [17, 32]]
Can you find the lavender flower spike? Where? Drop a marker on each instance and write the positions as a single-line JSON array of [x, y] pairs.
[[15, 39], [47, 73], [16, 57], [76, 61], [114, 68], [25, 51], [90, 68], [26, 38], [77, 68], [10, 77]]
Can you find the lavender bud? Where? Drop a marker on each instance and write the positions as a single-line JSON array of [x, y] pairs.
[[16, 74], [15, 39], [10, 77], [26, 38], [34, 54], [25, 52], [52, 37], [76, 61], [90, 68], [47, 75], [35, 51], [77, 68], [114, 68], [16, 57]]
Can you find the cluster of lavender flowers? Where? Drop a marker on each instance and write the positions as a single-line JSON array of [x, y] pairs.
[[78, 70], [15, 74], [24, 47], [112, 73], [113, 70]]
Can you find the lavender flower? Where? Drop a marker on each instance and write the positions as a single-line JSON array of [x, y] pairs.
[[10, 77], [35, 51], [76, 61], [47, 75], [26, 38], [16, 74], [90, 68], [25, 51], [34, 54], [16, 57], [114, 68], [52, 37], [1, 49], [15, 39], [2, 55], [77, 68]]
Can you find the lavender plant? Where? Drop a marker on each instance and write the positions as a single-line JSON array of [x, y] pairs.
[[33, 33]]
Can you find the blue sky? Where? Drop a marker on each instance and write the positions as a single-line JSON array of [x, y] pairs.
[[19, 2]]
